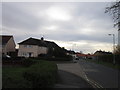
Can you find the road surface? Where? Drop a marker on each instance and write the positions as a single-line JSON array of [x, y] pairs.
[[100, 75]]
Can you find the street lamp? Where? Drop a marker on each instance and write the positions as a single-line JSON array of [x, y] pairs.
[[113, 46]]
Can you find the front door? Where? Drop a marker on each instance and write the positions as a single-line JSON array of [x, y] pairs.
[[30, 54]]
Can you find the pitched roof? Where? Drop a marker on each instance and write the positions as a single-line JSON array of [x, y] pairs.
[[5, 38], [33, 41], [102, 52]]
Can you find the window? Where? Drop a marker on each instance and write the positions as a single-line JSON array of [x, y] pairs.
[[23, 54], [28, 46], [25, 46]]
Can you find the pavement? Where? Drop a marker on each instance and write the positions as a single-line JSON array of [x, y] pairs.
[[70, 80], [71, 76]]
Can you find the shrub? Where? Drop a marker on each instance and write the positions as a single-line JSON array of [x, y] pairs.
[[67, 58], [28, 62], [41, 75], [12, 78]]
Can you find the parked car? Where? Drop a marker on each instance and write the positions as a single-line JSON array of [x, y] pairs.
[[75, 60], [6, 57]]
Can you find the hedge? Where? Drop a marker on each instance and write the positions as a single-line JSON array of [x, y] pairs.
[[39, 75], [69, 58]]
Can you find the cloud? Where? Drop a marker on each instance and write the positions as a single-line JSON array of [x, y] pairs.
[[14, 17], [85, 46], [61, 22]]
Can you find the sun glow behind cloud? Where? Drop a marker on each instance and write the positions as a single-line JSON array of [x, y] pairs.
[[51, 28], [58, 13]]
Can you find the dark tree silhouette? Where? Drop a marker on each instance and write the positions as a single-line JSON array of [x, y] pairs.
[[117, 50], [114, 11]]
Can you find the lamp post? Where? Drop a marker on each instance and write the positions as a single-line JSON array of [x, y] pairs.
[[113, 47]]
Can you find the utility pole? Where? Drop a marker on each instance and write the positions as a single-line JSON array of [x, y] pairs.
[[119, 24], [113, 47]]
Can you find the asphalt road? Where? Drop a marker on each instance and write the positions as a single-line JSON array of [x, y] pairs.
[[0, 75], [100, 75]]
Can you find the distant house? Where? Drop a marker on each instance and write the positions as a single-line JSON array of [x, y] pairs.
[[90, 56], [34, 47], [81, 55], [85, 56], [102, 55], [69, 52], [8, 44], [99, 53]]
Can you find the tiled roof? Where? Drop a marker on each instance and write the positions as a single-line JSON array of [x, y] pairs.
[[81, 54], [33, 41], [88, 55], [5, 38]]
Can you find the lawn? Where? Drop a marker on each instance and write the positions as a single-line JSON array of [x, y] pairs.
[[38, 75]]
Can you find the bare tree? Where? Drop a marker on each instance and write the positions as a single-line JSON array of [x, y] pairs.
[[117, 50], [114, 11]]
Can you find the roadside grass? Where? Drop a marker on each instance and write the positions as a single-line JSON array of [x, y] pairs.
[[38, 75], [111, 65]]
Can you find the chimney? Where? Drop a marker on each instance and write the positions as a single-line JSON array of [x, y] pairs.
[[42, 38]]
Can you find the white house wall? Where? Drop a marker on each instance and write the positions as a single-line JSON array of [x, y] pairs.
[[24, 50], [9, 47], [42, 50]]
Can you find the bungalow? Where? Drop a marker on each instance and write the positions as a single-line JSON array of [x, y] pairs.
[[8, 44], [81, 56], [34, 47], [85, 56]]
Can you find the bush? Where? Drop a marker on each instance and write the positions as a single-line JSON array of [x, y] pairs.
[[117, 59], [42, 74], [105, 58], [13, 61], [28, 62], [67, 58], [12, 78]]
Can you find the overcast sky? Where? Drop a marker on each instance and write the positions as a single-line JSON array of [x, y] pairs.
[[79, 26]]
